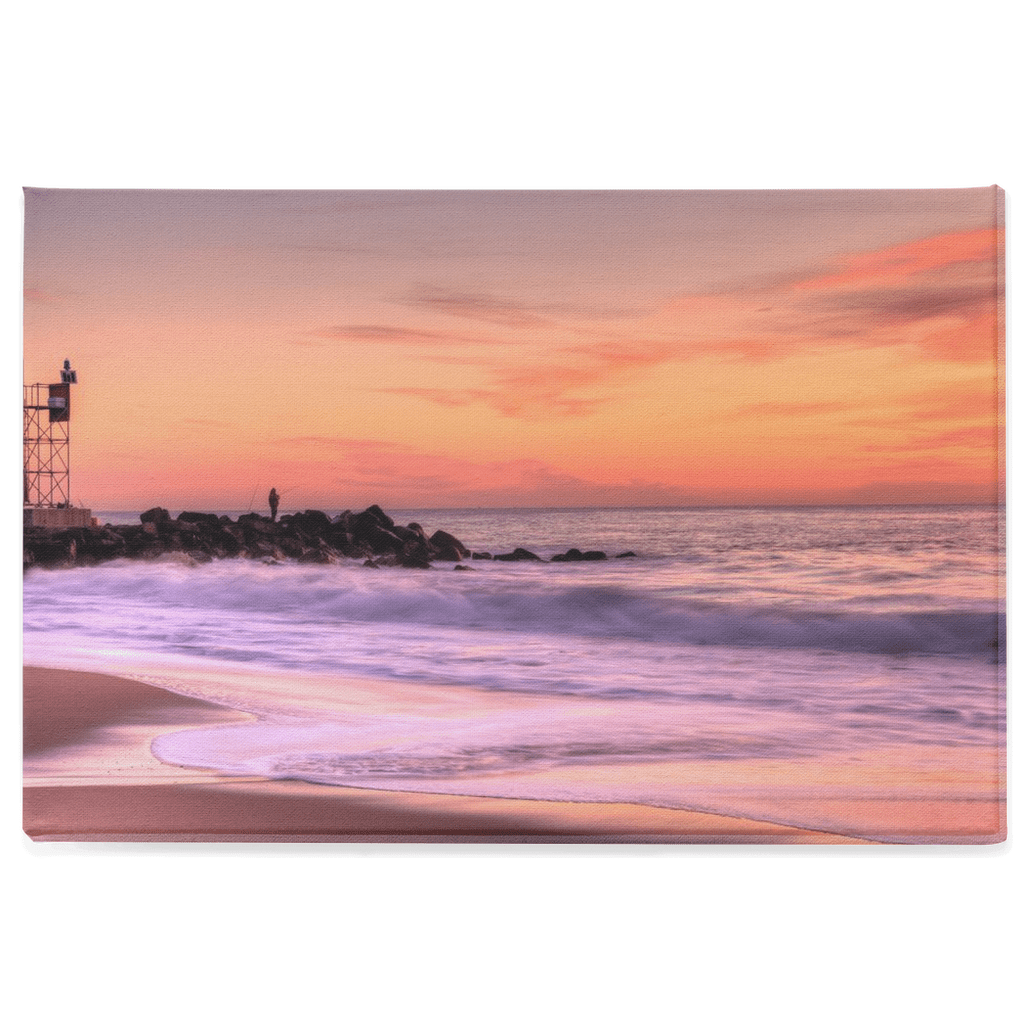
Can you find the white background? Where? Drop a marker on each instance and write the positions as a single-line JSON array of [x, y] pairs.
[[218, 95]]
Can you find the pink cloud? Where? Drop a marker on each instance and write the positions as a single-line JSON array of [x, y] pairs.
[[899, 262], [384, 334]]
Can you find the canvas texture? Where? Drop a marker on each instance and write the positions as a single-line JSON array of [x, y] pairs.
[[515, 517]]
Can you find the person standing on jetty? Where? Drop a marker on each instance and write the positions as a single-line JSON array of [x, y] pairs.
[[274, 501]]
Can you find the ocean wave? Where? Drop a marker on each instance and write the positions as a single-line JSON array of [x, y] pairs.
[[161, 599]]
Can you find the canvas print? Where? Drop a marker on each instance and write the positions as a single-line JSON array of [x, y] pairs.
[[518, 517]]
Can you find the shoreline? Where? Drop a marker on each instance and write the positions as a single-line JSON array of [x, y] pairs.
[[89, 776]]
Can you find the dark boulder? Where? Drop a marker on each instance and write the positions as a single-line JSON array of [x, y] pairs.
[[572, 555], [311, 522], [206, 518], [310, 537], [575, 555], [51, 551], [376, 515], [322, 554], [101, 544], [257, 524], [292, 547], [415, 559], [519, 555], [406, 535], [447, 548], [378, 538], [339, 539]]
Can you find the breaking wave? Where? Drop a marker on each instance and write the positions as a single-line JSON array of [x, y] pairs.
[[256, 607]]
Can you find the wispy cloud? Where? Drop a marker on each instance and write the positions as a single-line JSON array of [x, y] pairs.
[[387, 334], [935, 297], [511, 311], [573, 380], [478, 306], [910, 259]]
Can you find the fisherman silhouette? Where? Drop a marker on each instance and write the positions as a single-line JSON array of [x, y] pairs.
[[274, 500]]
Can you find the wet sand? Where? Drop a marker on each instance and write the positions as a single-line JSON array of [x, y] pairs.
[[89, 775]]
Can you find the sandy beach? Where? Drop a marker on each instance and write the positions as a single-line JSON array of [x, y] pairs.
[[89, 775]]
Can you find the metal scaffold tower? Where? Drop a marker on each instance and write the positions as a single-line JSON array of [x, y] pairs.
[[48, 442]]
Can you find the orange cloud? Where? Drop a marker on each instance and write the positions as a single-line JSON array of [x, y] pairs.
[[937, 294], [385, 334], [481, 307], [899, 262]]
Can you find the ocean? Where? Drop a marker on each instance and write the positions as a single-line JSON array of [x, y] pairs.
[[839, 669]]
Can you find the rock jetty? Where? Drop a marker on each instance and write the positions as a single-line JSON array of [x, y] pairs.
[[311, 536]]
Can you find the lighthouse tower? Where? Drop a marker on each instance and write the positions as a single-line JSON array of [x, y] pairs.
[[48, 455]]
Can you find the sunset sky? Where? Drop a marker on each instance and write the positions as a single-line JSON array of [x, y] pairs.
[[436, 349]]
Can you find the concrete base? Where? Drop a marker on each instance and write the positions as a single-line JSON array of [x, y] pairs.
[[58, 518]]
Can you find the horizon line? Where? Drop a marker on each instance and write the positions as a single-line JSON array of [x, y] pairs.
[[604, 508]]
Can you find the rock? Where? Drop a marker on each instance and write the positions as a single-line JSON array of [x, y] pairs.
[[627, 554], [415, 560], [293, 547], [50, 552], [407, 536], [257, 524], [448, 548], [310, 522], [378, 538], [309, 537], [317, 556], [572, 555], [519, 555], [206, 518], [375, 514], [575, 555], [340, 539]]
